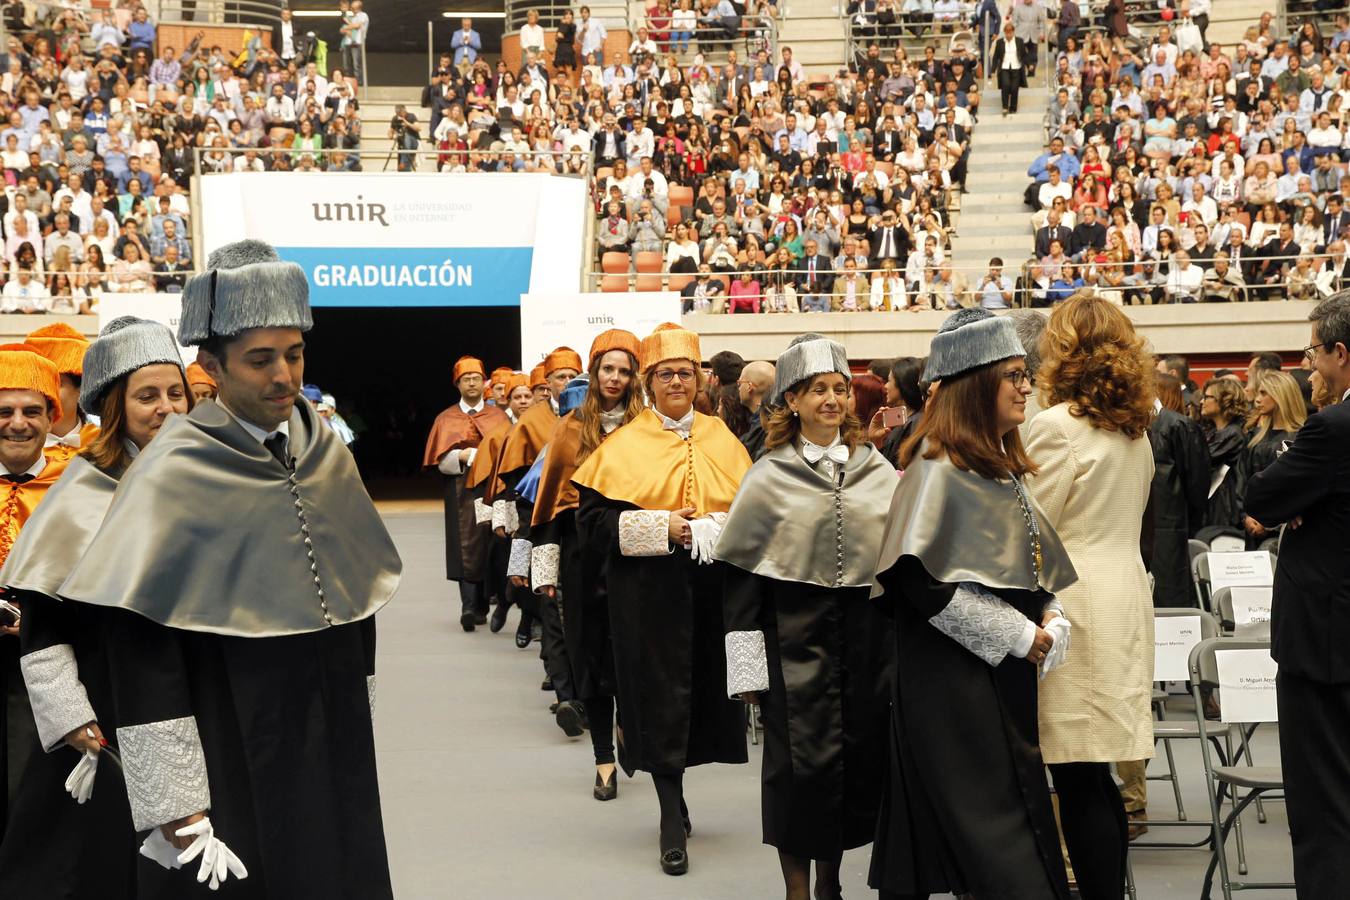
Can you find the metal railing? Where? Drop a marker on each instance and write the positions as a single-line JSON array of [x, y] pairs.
[[551, 12], [1024, 287], [1294, 15], [257, 13], [906, 31]]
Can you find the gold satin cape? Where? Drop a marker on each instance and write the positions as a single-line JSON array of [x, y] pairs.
[[454, 429], [55, 538], [486, 460], [556, 493], [204, 533], [530, 435], [19, 501], [651, 468]]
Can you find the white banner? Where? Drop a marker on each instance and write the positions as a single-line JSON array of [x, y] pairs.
[[162, 308], [552, 320], [406, 238]]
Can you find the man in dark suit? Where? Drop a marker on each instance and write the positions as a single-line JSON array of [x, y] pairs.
[[888, 141], [1009, 63], [815, 279], [1052, 230], [888, 240], [1334, 221], [1308, 487]]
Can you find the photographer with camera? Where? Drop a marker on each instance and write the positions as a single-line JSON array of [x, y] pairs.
[[403, 131]]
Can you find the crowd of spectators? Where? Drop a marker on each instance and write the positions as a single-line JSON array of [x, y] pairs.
[[1181, 170], [746, 184], [100, 123]]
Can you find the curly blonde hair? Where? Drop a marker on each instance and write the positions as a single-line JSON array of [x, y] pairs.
[[1094, 360]]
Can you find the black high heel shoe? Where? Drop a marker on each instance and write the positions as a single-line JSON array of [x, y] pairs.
[[606, 790], [675, 861]]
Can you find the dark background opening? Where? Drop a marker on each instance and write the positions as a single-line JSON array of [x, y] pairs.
[[389, 369]]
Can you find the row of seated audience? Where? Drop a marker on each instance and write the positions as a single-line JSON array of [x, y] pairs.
[[96, 148], [1187, 171]]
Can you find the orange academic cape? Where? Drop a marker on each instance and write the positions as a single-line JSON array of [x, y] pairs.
[[17, 501]]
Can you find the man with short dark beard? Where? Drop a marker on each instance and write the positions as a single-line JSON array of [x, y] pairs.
[[30, 400]]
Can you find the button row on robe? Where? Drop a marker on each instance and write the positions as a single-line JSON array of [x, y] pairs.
[[309, 548]]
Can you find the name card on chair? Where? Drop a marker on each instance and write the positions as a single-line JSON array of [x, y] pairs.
[[1246, 685], [1251, 611], [1173, 638], [1235, 569]]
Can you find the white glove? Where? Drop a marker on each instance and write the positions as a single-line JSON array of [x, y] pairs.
[[703, 537], [157, 847], [80, 782], [1059, 629], [218, 861]]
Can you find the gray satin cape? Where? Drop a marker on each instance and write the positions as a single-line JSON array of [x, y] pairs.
[[777, 525], [55, 537], [208, 532], [958, 524]]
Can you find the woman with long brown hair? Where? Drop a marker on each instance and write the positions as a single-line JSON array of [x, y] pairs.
[[968, 568], [1095, 468], [133, 380], [1223, 408], [563, 569], [803, 642]]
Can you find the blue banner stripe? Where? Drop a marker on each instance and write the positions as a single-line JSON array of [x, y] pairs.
[[414, 276]]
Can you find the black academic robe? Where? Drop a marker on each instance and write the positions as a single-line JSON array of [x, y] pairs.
[[670, 665], [286, 731], [825, 739], [1225, 449], [1253, 461], [1177, 502], [965, 808], [59, 849], [584, 603]]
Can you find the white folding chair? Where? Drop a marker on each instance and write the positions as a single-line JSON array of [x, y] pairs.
[[1249, 706]]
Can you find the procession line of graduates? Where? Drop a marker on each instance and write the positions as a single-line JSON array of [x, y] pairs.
[[850, 606], [197, 594]]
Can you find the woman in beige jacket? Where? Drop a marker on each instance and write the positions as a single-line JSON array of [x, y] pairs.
[[1090, 443]]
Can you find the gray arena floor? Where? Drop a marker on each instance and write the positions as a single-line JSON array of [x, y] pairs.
[[485, 798]]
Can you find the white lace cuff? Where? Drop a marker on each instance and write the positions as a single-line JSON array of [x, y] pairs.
[[482, 513], [165, 771], [720, 518], [60, 704], [982, 623], [747, 665], [518, 564], [544, 562], [504, 516], [1022, 646], [370, 695], [644, 532]]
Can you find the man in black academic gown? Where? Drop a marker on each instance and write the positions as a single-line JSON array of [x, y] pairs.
[[1177, 500], [1308, 487], [242, 563]]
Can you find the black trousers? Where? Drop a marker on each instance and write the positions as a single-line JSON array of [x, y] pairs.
[[553, 650], [1315, 757], [1008, 94]]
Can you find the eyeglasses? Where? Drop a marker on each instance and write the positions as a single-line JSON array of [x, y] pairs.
[[1017, 377], [666, 376], [1310, 351]]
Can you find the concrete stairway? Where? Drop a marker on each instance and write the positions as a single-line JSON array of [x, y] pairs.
[[376, 111], [993, 220]]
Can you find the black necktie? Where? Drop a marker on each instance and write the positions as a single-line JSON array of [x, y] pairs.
[[18, 479], [276, 445]]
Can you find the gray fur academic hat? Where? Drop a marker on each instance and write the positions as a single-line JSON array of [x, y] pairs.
[[245, 285], [124, 345], [807, 356], [968, 339]]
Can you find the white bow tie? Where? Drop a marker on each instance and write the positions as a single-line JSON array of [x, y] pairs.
[[838, 454], [684, 427]]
